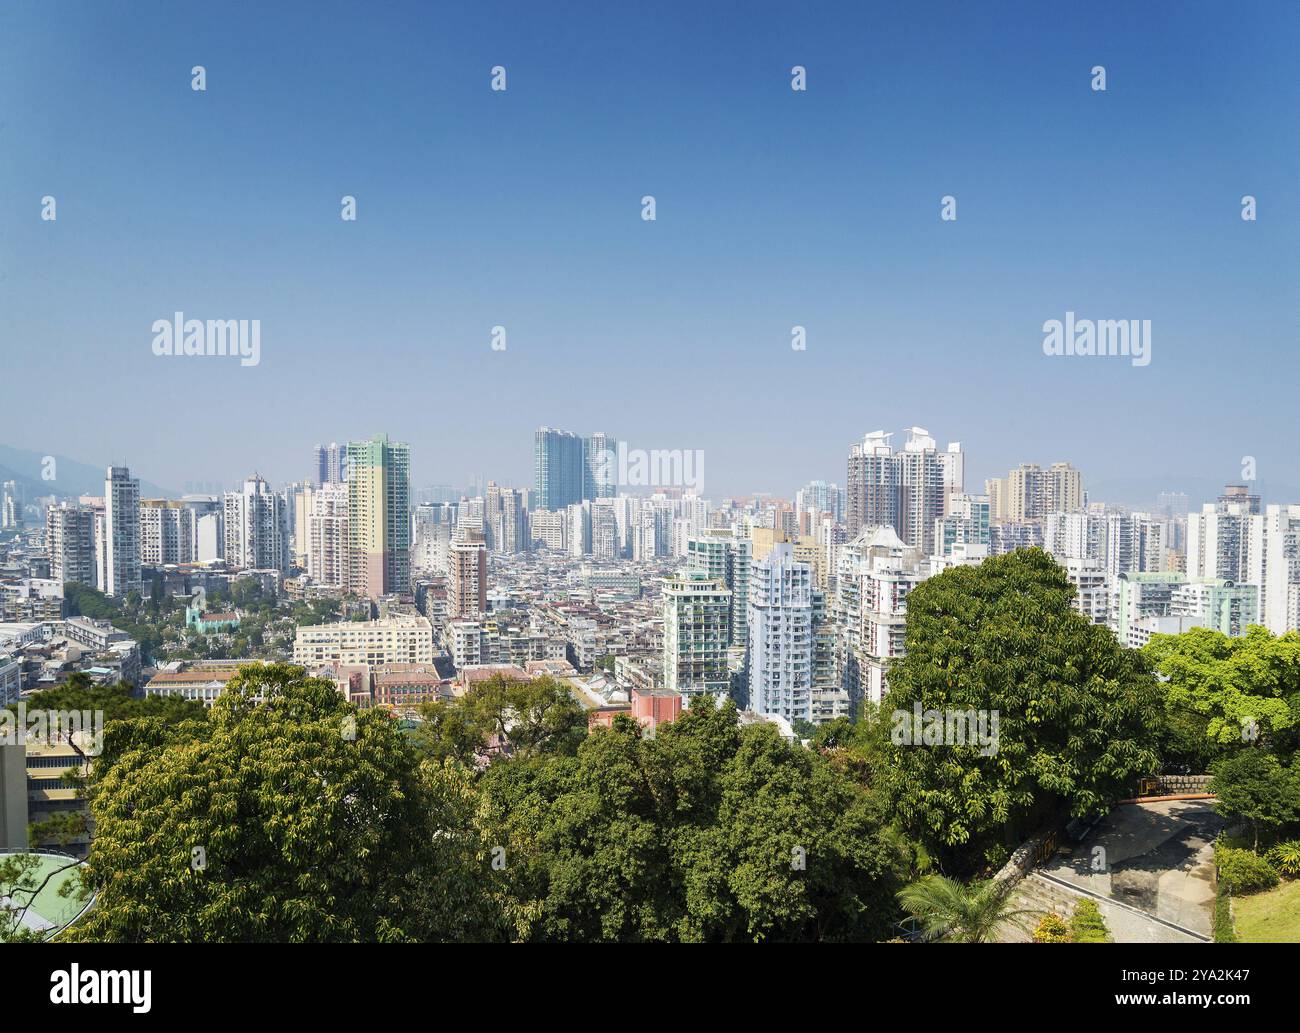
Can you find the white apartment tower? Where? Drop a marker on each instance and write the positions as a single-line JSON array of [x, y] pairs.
[[327, 535], [257, 527], [121, 552], [70, 543], [166, 532], [781, 635], [1280, 596], [697, 632]]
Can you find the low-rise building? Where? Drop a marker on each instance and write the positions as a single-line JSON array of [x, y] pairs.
[[399, 639]]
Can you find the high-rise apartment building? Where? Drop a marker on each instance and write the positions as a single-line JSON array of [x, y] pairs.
[[1062, 489], [379, 517], [600, 466], [579, 529], [1026, 493], [697, 632], [820, 498], [166, 532], [1029, 492], [921, 489], [330, 464], [1281, 589], [726, 558], [1239, 494], [504, 524], [569, 469], [1134, 542], [11, 506], [327, 535], [966, 523], [872, 483], [433, 523], [1226, 540], [781, 643], [907, 490], [548, 530], [70, 543], [1226, 607], [121, 551], [604, 531], [467, 576], [256, 527], [559, 465]]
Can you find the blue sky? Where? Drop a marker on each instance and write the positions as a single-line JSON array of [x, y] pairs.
[[775, 208]]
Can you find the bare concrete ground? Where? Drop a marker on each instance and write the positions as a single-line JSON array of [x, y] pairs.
[[1157, 858]]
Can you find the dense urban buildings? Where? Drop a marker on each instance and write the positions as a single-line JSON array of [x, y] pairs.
[[796, 607]]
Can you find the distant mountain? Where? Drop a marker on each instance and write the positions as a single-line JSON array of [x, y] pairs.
[[71, 477]]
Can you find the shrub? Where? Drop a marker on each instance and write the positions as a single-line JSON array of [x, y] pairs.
[[1052, 929], [1224, 931], [1243, 871], [1087, 925], [1285, 858]]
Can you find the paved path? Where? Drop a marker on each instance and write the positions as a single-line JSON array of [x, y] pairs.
[[1149, 866]]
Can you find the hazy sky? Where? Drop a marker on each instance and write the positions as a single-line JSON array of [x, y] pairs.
[[775, 208]]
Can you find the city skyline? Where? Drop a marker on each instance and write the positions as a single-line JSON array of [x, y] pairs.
[[776, 209], [741, 472]]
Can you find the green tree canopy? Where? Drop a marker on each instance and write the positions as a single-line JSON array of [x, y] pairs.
[[1074, 710], [1248, 688], [705, 832], [502, 717], [287, 816], [1253, 786]]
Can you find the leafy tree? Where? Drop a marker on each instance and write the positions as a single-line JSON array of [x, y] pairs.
[[1073, 710], [1244, 687], [1255, 787], [287, 816], [503, 716], [961, 913], [84, 601], [705, 832], [1184, 743]]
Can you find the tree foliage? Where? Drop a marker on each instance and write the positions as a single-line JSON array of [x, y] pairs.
[[706, 832], [1074, 709], [1253, 786], [502, 717], [1246, 687], [286, 816], [961, 912]]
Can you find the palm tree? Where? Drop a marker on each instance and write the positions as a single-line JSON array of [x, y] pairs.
[[1286, 857], [958, 912]]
